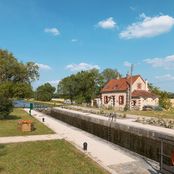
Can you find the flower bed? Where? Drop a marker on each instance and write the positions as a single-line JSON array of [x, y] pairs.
[[25, 125]]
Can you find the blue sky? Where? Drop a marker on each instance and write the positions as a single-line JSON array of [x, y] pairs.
[[66, 36]]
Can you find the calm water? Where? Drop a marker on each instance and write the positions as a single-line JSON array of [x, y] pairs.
[[24, 104], [21, 104]]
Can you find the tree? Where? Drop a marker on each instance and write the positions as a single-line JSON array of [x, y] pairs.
[[22, 90], [67, 88], [14, 71], [81, 87], [15, 79], [45, 92], [164, 100], [164, 96], [109, 74]]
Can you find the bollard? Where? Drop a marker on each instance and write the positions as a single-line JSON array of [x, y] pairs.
[[43, 119], [85, 145], [30, 112]]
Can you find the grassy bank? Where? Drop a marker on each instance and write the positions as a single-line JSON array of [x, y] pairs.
[[8, 127], [47, 103], [45, 157]]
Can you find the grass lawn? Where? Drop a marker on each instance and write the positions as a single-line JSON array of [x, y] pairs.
[[45, 157], [8, 127], [159, 114]]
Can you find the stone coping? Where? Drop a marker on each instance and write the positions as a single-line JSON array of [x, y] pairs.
[[125, 124]]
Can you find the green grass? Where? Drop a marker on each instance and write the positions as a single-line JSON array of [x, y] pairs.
[[46, 103], [8, 127], [159, 114], [45, 157]]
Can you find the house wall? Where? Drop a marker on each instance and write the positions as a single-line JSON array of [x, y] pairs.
[[151, 101], [143, 84], [110, 103], [172, 102], [145, 101], [138, 103]]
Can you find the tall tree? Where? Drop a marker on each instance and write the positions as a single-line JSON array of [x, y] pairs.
[[81, 87], [109, 74], [14, 71], [67, 87], [15, 79], [45, 92]]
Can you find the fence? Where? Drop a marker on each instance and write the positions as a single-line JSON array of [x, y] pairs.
[[167, 157]]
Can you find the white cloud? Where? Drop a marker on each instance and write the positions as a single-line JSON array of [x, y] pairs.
[[127, 64], [148, 27], [81, 66], [166, 62], [74, 40], [53, 31], [43, 66], [166, 77], [132, 8], [108, 23]]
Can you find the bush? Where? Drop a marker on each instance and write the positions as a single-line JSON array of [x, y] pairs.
[[6, 107]]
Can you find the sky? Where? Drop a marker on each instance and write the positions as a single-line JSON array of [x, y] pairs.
[[67, 36]]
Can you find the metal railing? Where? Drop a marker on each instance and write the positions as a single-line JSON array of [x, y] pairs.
[[166, 166]]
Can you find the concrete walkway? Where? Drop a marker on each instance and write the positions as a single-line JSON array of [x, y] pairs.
[[110, 156], [16, 139]]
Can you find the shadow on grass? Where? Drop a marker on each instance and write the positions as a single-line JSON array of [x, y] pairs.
[[1, 169], [2, 150], [12, 117], [1, 154]]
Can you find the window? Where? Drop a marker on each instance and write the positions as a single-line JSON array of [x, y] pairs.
[[134, 102], [139, 86], [121, 99], [106, 99]]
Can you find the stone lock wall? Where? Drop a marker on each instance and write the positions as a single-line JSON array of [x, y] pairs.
[[141, 141]]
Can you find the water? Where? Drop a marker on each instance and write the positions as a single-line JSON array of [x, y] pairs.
[[21, 104], [25, 104]]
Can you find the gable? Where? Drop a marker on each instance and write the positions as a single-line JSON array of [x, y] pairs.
[[139, 84]]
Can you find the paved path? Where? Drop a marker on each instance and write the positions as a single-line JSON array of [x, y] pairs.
[[108, 155], [16, 139]]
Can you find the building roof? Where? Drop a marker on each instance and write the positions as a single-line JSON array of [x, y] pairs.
[[143, 93], [121, 84]]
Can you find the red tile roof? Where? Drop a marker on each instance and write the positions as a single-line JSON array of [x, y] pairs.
[[121, 84], [142, 93]]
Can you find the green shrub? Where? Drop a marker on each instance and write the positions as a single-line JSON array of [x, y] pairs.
[[6, 107]]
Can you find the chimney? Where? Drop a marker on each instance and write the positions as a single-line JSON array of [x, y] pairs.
[[146, 85]]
